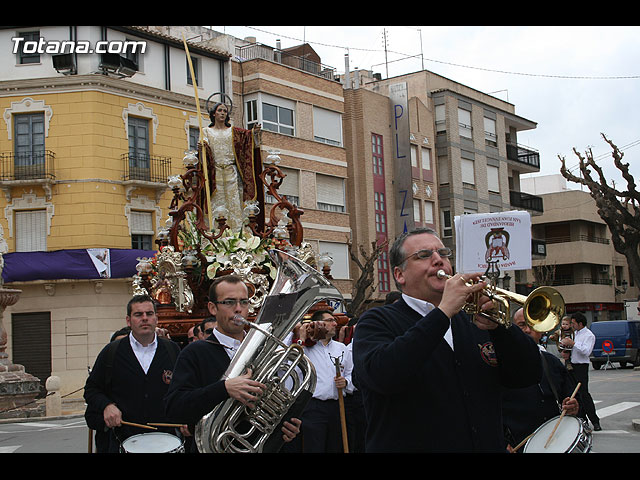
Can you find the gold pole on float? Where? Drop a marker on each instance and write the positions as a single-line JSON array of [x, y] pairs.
[[203, 156]]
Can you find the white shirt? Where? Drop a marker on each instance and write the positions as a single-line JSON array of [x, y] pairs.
[[423, 308], [584, 341], [322, 356], [144, 354], [231, 343]]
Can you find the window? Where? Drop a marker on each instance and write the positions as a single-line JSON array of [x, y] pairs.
[[468, 172], [416, 211], [327, 126], [443, 170], [196, 70], [426, 158], [138, 148], [447, 224], [378, 157], [340, 255], [493, 179], [380, 213], [330, 193], [428, 213], [277, 119], [252, 113], [441, 125], [141, 230], [490, 137], [31, 230], [29, 145], [194, 136], [289, 188], [384, 284], [464, 123], [28, 56]]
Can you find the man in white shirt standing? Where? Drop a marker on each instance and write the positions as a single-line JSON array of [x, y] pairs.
[[581, 347], [321, 427]]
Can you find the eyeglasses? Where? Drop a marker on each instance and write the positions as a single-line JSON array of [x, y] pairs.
[[426, 253], [231, 302]]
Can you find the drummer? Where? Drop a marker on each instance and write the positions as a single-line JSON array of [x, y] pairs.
[[525, 409], [130, 377]]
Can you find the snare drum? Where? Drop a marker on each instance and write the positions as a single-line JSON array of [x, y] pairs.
[[571, 436], [154, 442]]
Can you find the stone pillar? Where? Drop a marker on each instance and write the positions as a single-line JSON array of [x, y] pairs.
[[54, 399]]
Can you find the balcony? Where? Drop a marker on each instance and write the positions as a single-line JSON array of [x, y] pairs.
[[148, 171], [27, 169], [524, 155], [526, 201], [257, 50]]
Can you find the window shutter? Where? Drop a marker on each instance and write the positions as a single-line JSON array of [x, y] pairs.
[[141, 223], [31, 231], [330, 189]]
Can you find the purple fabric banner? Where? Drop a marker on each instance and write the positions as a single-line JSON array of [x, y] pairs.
[[68, 264]]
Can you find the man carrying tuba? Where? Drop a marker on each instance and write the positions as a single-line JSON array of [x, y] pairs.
[[197, 383]]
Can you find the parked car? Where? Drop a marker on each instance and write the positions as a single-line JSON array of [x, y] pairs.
[[619, 340]]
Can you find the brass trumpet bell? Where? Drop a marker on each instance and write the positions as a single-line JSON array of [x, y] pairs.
[[543, 308]]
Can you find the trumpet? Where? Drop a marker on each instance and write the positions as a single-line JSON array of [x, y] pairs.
[[543, 308]]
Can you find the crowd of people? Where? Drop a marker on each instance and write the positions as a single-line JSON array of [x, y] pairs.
[[417, 374]]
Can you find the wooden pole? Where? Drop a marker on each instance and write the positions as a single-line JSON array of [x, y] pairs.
[[203, 155], [343, 419]]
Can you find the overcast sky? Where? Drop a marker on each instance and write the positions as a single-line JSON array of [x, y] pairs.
[[574, 82]]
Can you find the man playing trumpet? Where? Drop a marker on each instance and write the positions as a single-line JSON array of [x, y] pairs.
[[431, 376]]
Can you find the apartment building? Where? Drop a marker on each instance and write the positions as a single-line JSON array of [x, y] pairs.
[[580, 262], [464, 156]]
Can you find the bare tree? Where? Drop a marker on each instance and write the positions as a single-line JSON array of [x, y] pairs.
[[364, 286], [544, 274], [619, 208]]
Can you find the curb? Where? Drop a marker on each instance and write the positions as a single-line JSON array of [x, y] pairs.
[[39, 419]]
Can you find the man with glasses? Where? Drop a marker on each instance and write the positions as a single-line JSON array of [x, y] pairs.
[[430, 375], [197, 385]]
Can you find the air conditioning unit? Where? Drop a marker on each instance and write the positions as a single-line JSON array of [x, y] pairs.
[[117, 65], [65, 63]]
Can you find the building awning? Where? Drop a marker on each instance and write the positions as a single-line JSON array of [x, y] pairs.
[[86, 263]]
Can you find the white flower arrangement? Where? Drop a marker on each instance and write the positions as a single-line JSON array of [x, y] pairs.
[[227, 248]]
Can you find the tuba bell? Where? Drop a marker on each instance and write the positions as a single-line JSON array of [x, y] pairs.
[[543, 308], [289, 376]]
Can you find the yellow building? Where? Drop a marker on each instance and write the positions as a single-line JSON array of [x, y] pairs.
[[88, 146]]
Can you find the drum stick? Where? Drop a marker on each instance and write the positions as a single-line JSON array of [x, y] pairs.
[[561, 417], [138, 425], [177, 425], [522, 443]]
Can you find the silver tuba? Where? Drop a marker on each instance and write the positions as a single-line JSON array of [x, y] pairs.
[[289, 376]]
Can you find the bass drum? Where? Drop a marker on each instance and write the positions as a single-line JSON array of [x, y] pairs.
[[571, 436], [154, 442]]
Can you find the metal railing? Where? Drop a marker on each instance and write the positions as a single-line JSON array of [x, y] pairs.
[[579, 238], [580, 281], [522, 154], [148, 168], [257, 50], [526, 201], [27, 166]]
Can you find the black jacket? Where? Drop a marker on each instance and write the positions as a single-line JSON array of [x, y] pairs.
[[117, 377], [420, 396]]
